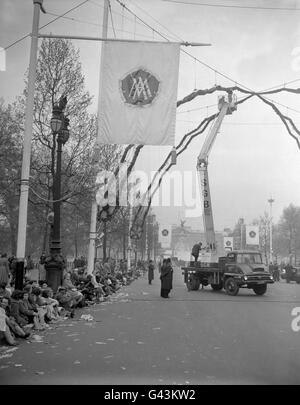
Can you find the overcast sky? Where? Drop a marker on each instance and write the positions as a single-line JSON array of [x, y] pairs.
[[253, 157]]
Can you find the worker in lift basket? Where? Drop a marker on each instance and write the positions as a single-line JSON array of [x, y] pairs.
[[196, 249]]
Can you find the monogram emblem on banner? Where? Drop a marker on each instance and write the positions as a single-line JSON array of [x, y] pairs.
[[139, 88], [252, 234]]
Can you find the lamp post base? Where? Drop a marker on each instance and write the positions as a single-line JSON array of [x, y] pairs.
[[54, 278], [19, 275], [54, 266]]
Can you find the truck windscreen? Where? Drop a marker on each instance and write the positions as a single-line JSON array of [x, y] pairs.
[[248, 258]]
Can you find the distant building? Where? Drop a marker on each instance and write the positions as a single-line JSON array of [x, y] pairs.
[[184, 238]]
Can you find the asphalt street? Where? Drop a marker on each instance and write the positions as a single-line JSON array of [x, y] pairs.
[[196, 337]]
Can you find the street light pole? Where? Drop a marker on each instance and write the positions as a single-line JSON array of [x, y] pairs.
[[271, 200], [146, 236], [55, 263], [24, 189], [56, 243], [241, 221]]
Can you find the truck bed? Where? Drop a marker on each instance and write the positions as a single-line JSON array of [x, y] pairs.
[[202, 266]]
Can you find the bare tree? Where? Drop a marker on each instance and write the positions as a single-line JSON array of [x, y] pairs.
[[59, 73], [10, 168]]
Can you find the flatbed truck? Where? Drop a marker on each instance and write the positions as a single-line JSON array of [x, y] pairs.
[[238, 269]]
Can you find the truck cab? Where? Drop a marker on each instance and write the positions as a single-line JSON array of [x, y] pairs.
[[245, 269]]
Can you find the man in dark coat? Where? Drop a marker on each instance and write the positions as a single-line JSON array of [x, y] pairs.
[[288, 272], [276, 272], [196, 249], [150, 271], [166, 278]]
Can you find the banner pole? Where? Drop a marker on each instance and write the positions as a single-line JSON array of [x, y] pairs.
[[104, 38], [24, 187], [93, 224]]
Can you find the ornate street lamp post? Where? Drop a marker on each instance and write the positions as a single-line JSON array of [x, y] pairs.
[[104, 214], [55, 263]]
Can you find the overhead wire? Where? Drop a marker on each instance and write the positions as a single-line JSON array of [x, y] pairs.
[[181, 39], [115, 12], [142, 22], [157, 32], [47, 24], [197, 59], [98, 25], [174, 35], [216, 71], [111, 18], [233, 6]]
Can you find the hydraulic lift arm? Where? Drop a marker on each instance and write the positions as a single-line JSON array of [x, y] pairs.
[[225, 107]]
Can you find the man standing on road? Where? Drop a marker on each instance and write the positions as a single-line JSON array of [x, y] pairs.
[[150, 271], [288, 272], [166, 278], [276, 272]]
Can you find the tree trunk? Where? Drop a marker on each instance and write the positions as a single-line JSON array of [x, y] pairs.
[[124, 242], [45, 237], [104, 240], [75, 238]]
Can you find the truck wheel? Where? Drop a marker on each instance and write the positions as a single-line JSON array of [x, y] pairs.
[[231, 286], [217, 287], [260, 289]]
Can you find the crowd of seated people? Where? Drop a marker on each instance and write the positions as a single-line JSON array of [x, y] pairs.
[[22, 311], [36, 306]]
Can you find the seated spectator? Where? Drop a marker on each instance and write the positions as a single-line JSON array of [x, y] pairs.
[[37, 303], [44, 303], [14, 328], [75, 294], [121, 278], [4, 292], [66, 301], [47, 295], [5, 330], [92, 289], [106, 282], [16, 298], [113, 283], [29, 312], [44, 286]]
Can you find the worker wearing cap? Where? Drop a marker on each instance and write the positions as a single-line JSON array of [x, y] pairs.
[[196, 249]]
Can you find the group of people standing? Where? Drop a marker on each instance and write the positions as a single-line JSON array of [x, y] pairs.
[[166, 276]]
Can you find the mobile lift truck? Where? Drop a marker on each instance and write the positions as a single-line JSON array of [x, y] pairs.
[[239, 269]]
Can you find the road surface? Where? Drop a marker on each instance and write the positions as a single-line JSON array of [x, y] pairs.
[[197, 337]]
